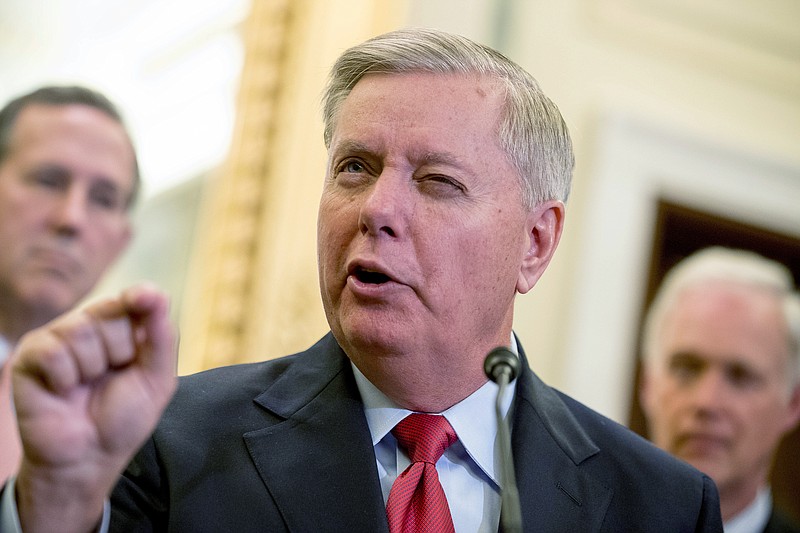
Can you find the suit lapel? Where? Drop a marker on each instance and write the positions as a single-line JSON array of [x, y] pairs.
[[325, 477], [549, 447], [318, 463]]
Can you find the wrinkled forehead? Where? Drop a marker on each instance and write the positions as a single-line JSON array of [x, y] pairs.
[[424, 99], [491, 88], [731, 318], [40, 121]]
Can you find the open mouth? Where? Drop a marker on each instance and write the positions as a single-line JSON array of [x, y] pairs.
[[368, 276]]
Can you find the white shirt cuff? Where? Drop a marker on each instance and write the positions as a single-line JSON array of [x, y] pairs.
[[9, 517]]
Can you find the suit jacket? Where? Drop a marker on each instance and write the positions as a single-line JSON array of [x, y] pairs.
[[284, 445]]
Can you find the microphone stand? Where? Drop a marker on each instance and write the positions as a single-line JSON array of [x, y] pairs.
[[502, 371]]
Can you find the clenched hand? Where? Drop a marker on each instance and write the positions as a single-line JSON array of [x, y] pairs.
[[89, 388]]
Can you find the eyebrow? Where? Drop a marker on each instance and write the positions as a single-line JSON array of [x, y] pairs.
[[124, 194], [350, 147], [421, 157], [443, 158], [102, 181]]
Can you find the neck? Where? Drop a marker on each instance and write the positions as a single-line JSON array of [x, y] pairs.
[[14, 328], [735, 499], [425, 386], [9, 333], [16, 320], [430, 398], [430, 373]]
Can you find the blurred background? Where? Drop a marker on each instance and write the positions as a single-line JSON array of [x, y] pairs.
[[685, 117]]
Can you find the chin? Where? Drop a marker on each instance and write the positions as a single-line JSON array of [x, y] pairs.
[[53, 301], [709, 467], [372, 337]]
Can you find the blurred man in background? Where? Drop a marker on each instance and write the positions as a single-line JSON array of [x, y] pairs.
[[68, 176], [721, 375]]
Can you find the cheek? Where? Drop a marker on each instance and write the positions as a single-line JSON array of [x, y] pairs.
[[19, 230], [491, 264], [16, 207], [105, 246], [334, 232], [667, 400], [337, 220], [328, 242], [766, 417]]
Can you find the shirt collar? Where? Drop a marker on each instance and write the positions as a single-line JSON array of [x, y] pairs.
[[5, 350], [754, 517], [470, 418]]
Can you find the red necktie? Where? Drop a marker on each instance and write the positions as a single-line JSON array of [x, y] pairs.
[[417, 502]]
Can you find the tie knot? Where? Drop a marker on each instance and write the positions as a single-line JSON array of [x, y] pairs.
[[424, 437]]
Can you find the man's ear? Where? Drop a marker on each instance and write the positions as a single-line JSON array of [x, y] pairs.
[[544, 226]]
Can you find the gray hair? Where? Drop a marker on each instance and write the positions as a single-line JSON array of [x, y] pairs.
[[54, 95], [531, 130], [728, 265]]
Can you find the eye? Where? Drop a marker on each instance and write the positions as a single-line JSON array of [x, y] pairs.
[[350, 166], [105, 197], [353, 167], [685, 367], [441, 185], [351, 172], [742, 377], [445, 181], [49, 177]]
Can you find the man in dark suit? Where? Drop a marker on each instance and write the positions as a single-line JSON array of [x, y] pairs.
[[444, 197], [722, 375]]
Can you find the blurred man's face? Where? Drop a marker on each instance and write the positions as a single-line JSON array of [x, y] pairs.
[[64, 190], [718, 394]]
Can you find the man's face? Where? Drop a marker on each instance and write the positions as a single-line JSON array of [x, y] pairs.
[[421, 230], [64, 189], [719, 394]]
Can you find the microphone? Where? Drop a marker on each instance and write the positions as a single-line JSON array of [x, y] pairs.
[[501, 361], [502, 366]]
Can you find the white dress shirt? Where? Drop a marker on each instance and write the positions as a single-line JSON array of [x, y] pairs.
[[5, 350]]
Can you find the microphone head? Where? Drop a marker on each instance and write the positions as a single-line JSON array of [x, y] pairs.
[[500, 360]]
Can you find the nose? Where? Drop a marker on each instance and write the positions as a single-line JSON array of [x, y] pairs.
[[386, 206], [708, 395], [69, 212]]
